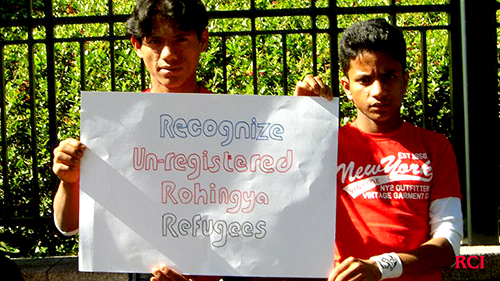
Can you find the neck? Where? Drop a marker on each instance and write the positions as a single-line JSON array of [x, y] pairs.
[[175, 90], [378, 127], [191, 87]]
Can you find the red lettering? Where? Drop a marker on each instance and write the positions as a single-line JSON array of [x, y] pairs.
[[461, 263], [469, 263], [460, 260]]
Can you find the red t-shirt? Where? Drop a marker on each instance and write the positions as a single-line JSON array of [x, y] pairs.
[[385, 184]]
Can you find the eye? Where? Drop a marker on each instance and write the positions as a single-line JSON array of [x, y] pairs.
[[153, 41], [182, 39], [365, 80]]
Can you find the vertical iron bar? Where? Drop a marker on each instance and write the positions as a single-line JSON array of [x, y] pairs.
[[254, 46], [6, 203], [423, 53], [466, 118], [456, 76], [314, 38], [83, 74], [333, 31], [392, 15], [112, 46], [51, 85], [224, 63], [35, 204], [285, 64], [143, 76], [113, 64]]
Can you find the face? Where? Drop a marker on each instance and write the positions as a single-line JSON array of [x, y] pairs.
[[171, 56], [376, 84]]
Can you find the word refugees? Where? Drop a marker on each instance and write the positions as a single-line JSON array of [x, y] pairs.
[[219, 231]]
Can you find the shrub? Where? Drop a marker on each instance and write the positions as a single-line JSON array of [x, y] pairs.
[[27, 115]]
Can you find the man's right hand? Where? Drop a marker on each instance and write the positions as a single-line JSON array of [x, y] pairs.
[[67, 160], [356, 269]]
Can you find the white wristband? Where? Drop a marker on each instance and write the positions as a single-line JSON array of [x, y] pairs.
[[390, 265]]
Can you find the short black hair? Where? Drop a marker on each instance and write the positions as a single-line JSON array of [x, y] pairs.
[[373, 36], [187, 15]]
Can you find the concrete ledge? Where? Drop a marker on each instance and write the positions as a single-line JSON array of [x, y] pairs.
[[66, 268], [62, 269]]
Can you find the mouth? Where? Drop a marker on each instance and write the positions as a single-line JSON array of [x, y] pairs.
[[380, 105], [169, 70]]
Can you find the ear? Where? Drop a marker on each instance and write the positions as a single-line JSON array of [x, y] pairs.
[[204, 40], [344, 81], [137, 46]]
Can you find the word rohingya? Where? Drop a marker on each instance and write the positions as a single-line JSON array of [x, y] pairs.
[[229, 130], [195, 163], [239, 200]]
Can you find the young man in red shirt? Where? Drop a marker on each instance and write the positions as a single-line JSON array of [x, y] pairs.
[[169, 36], [398, 204]]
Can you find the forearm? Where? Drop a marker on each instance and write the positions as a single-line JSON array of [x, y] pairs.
[[447, 231], [434, 254], [66, 206]]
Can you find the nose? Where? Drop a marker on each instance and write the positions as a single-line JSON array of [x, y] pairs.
[[168, 53], [377, 88]]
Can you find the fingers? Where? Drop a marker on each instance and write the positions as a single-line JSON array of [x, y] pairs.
[[71, 147], [313, 86], [163, 273], [355, 269], [66, 164], [339, 269]]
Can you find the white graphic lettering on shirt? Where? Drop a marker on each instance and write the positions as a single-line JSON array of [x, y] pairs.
[[391, 169]]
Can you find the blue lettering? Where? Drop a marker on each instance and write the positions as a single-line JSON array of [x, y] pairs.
[[226, 129], [210, 128], [179, 126], [165, 125]]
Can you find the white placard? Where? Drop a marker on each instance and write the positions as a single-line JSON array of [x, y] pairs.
[[225, 185]]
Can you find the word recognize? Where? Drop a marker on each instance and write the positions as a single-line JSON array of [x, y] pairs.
[[182, 128]]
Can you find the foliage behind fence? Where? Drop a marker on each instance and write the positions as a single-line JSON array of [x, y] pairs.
[[256, 47]]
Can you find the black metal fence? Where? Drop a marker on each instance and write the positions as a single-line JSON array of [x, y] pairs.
[[465, 84]]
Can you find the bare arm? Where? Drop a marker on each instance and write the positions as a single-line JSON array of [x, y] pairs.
[[67, 168], [66, 206], [433, 254]]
